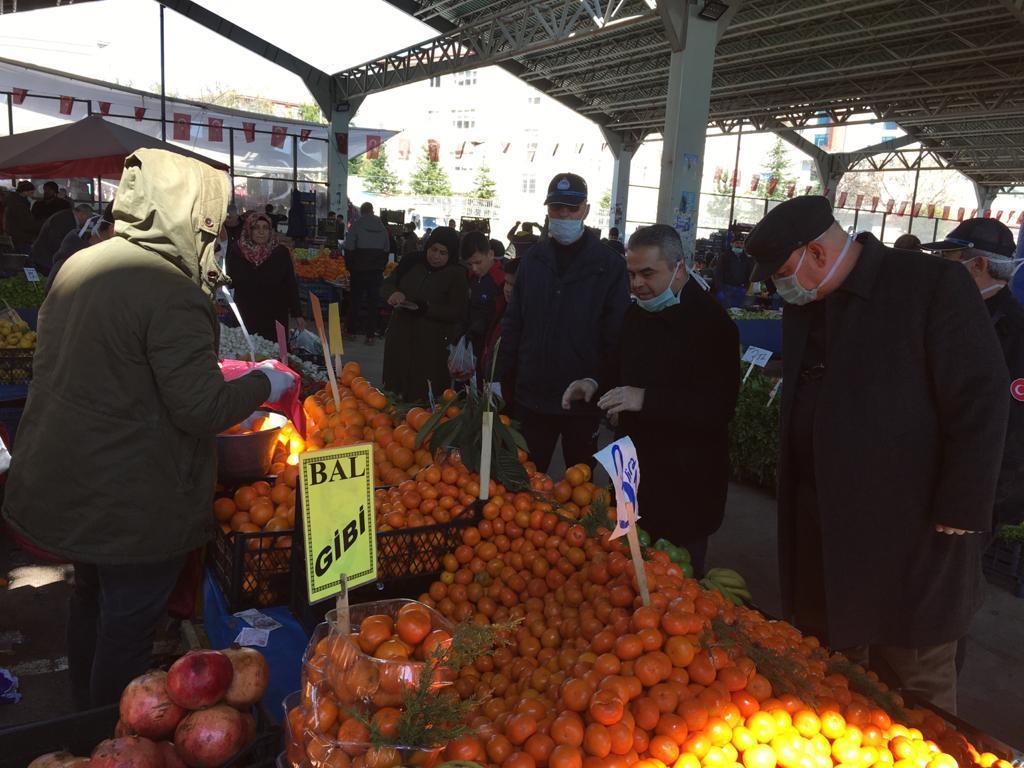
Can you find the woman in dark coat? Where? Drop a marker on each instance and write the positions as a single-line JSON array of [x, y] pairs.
[[429, 293], [263, 277]]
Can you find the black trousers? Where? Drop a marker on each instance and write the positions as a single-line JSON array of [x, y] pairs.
[[578, 433], [364, 297], [112, 621]]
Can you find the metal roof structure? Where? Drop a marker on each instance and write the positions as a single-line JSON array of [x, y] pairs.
[[14, 6], [949, 72]]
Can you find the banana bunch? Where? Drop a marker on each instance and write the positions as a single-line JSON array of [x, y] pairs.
[[729, 583]]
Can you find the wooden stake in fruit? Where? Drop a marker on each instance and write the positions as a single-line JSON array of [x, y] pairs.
[[318, 317], [341, 606], [486, 437], [638, 563], [334, 333], [620, 462]]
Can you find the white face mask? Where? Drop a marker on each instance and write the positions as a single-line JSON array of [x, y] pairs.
[[790, 289], [565, 231]]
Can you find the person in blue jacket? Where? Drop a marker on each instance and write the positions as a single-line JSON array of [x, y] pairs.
[[566, 313]]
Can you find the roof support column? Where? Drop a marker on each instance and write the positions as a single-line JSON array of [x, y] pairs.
[[623, 149], [831, 169], [693, 41], [337, 156], [986, 197]]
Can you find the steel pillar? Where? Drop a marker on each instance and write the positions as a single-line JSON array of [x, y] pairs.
[[337, 156], [831, 169], [622, 150], [986, 197]]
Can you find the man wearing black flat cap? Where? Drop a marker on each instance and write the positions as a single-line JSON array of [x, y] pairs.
[[985, 247], [564, 319], [894, 412]]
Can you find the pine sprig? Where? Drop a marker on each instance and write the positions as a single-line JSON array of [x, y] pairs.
[[597, 518], [865, 686]]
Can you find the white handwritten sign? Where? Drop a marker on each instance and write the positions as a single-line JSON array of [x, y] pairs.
[[31, 275], [620, 461], [757, 356]]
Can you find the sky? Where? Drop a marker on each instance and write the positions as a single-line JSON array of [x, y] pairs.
[[119, 41]]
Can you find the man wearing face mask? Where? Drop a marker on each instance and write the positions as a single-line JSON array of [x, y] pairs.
[[986, 249], [564, 319], [672, 383], [893, 416]]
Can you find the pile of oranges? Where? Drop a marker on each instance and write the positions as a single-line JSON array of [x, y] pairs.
[[260, 506], [594, 678], [322, 267]]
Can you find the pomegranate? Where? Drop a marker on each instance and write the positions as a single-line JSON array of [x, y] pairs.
[[122, 729], [207, 738], [199, 679], [248, 728], [147, 710], [58, 760], [126, 752], [170, 755], [250, 679]]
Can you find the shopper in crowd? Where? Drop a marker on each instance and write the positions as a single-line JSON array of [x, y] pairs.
[[263, 278], [907, 243], [673, 390], [275, 218], [487, 359], [233, 224], [411, 243], [125, 403], [50, 204], [429, 293], [96, 229], [893, 420], [486, 290], [498, 248], [366, 254], [985, 247], [522, 240], [732, 272], [566, 313], [453, 225], [614, 242], [51, 235], [19, 223]]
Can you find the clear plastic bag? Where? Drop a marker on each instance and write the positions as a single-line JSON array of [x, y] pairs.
[[461, 360]]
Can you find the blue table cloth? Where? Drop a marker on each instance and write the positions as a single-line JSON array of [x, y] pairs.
[[766, 334]]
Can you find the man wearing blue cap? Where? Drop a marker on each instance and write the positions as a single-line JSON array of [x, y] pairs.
[[564, 319], [894, 411]]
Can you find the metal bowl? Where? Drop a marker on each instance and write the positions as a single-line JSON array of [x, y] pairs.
[[248, 456]]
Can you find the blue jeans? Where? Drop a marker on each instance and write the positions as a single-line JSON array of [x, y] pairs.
[[364, 297]]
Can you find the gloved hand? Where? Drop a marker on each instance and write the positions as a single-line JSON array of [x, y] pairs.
[[281, 383], [581, 389]]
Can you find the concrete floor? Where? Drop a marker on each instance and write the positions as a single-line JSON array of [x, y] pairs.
[[33, 612]]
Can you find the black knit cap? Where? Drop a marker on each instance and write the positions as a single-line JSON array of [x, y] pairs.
[[788, 226], [447, 237]]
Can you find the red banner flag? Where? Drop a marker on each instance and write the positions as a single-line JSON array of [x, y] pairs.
[[841, 202], [554, 151], [988, 213], [341, 141], [903, 208], [19, 95], [974, 212], [999, 216], [791, 189], [104, 108], [182, 126], [140, 113], [305, 133], [373, 146], [403, 149], [807, 190], [736, 179], [874, 203], [917, 210], [215, 129], [772, 185], [504, 148], [460, 150], [931, 210], [278, 133], [755, 182], [890, 204], [859, 202], [718, 173], [249, 131], [945, 211], [1020, 219], [1010, 217], [960, 215], [433, 150], [67, 103]]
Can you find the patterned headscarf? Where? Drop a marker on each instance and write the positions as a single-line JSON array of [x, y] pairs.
[[256, 254]]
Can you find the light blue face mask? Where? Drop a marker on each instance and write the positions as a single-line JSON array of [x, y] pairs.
[[663, 300], [790, 289], [565, 231]]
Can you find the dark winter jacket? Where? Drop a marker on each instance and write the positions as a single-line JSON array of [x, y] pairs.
[[44, 209], [908, 430], [486, 301], [265, 294], [561, 327], [686, 359], [19, 223], [50, 238], [1008, 319], [367, 245]]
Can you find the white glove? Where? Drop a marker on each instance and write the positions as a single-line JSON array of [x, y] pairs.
[[581, 389], [622, 399], [281, 383]]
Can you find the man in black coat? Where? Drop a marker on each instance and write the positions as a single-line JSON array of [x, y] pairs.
[[570, 296], [985, 247], [894, 412], [50, 204], [672, 383], [52, 234]]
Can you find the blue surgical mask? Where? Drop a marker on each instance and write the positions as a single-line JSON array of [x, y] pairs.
[[663, 300], [738, 250], [790, 289], [566, 231]]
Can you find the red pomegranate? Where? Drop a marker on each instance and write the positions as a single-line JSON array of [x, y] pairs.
[[249, 728], [199, 679], [170, 755], [147, 710], [251, 677], [126, 752], [207, 738]]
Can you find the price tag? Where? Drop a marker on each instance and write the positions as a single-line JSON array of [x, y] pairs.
[[757, 356], [31, 275]]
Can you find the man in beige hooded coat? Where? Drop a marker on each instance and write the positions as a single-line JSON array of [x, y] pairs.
[[115, 463]]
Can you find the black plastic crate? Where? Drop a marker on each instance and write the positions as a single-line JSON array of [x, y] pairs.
[[16, 366], [253, 570], [408, 552], [1003, 563]]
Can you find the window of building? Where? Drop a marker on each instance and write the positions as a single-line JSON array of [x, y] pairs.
[[821, 139], [466, 78], [533, 100], [435, 82], [464, 118], [889, 125], [529, 184]]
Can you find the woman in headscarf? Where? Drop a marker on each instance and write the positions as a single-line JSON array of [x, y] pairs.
[[429, 293], [263, 278]]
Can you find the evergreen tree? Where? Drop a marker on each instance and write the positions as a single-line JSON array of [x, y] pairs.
[[484, 184], [605, 203], [430, 178], [356, 166], [378, 176], [778, 167], [310, 113]]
